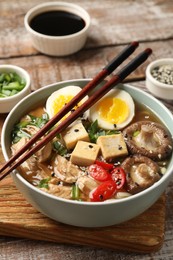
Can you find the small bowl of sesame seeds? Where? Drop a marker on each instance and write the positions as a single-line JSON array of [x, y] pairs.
[[159, 78]]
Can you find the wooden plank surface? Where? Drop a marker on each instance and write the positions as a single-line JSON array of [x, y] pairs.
[[45, 70], [112, 22]]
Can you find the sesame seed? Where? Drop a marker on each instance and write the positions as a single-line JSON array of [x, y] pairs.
[[101, 197], [163, 73], [120, 147], [160, 156]]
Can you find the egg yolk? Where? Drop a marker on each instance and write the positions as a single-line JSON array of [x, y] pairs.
[[59, 103], [113, 110]]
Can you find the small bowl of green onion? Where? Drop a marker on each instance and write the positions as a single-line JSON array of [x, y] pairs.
[[14, 85]]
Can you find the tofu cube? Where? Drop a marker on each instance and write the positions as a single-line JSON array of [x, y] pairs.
[[85, 153], [112, 146], [73, 134]]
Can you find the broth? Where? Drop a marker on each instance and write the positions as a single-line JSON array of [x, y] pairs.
[[47, 174]]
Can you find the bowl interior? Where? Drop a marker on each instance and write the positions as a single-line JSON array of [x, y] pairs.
[[42, 94]]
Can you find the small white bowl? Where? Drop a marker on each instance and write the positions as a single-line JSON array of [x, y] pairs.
[[157, 88], [7, 103], [58, 45]]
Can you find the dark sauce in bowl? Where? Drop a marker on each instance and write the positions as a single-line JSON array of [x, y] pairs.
[[57, 23]]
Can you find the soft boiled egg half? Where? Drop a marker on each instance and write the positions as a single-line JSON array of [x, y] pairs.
[[58, 99], [114, 111]]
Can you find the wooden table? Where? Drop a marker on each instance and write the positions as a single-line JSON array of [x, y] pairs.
[[113, 25]]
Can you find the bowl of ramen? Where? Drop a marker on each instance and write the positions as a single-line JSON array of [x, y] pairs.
[[107, 167]]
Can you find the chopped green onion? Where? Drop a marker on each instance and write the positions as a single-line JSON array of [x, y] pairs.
[[136, 133], [75, 192], [6, 92], [10, 84], [94, 132], [59, 148], [7, 77], [18, 130], [44, 183], [13, 92], [2, 95], [2, 77], [39, 121]]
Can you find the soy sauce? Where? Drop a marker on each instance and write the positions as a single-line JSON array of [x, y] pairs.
[[57, 23]]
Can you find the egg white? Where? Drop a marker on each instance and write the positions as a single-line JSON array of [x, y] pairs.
[[59, 95], [124, 96]]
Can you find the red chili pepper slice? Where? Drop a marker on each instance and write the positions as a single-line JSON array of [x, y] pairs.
[[106, 166], [98, 173], [119, 176], [104, 191]]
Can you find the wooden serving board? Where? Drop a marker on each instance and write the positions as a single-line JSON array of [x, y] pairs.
[[18, 218]]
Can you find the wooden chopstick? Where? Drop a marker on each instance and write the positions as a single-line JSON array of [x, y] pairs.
[[119, 77], [112, 65]]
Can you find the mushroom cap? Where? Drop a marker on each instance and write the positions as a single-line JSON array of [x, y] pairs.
[[141, 173], [149, 139]]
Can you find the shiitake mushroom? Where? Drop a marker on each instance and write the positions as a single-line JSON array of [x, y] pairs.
[[141, 173], [149, 139]]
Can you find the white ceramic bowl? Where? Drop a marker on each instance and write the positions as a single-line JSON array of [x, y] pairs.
[[157, 88], [78, 213], [8, 103], [58, 45]]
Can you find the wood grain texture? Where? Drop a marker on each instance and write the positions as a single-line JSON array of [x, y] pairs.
[[112, 22], [45, 70]]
